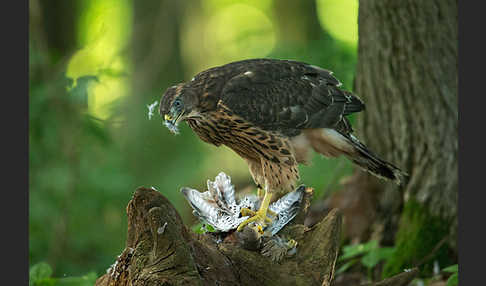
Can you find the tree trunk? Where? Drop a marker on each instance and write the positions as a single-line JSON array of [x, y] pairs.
[[407, 76]]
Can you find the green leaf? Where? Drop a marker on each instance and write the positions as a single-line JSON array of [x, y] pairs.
[[357, 249], [346, 266], [198, 228], [39, 272], [202, 228], [209, 228], [452, 269], [376, 255], [453, 280]]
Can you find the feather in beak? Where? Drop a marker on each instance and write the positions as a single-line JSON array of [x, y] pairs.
[[172, 123]]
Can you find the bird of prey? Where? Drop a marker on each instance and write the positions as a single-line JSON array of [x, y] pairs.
[[271, 113]]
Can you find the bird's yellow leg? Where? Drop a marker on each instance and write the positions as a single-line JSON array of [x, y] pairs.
[[260, 215], [247, 212], [261, 195]]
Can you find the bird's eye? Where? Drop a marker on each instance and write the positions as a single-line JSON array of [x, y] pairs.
[[177, 103]]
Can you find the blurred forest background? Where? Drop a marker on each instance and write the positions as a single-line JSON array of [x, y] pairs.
[[95, 66]]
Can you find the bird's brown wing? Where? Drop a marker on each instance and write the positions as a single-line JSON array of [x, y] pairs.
[[289, 96]]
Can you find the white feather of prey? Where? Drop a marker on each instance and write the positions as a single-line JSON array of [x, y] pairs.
[[151, 108], [219, 207]]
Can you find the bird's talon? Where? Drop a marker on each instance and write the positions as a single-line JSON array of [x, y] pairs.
[[259, 216], [247, 212]]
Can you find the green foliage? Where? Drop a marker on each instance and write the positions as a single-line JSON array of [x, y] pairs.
[[40, 275], [75, 216], [372, 258], [202, 228], [452, 269], [350, 251], [345, 266], [369, 254], [79, 91], [453, 280]]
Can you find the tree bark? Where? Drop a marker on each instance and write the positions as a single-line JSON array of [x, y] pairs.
[[407, 76]]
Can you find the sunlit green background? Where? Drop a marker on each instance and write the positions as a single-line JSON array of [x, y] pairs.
[[94, 68]]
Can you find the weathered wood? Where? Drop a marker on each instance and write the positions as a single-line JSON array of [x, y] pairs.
[[160, 250]]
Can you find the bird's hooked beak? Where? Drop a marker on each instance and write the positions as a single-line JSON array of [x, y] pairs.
[[171, 120]]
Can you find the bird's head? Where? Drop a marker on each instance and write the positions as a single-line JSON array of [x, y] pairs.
[[251, 236], [177, 103]]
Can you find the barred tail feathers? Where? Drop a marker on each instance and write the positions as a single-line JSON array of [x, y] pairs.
[[370, 162], [332, 143]]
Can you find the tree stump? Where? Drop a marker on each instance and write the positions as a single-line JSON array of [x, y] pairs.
[[160, 250]]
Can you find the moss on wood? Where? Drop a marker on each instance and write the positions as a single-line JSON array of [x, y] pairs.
[[417, 239]]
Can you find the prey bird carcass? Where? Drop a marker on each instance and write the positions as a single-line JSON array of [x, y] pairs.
[[223, 211]]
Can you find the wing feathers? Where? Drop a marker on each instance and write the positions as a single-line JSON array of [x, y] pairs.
[[287, 96]]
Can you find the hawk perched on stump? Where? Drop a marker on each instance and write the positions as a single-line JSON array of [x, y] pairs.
[[271, 113]]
